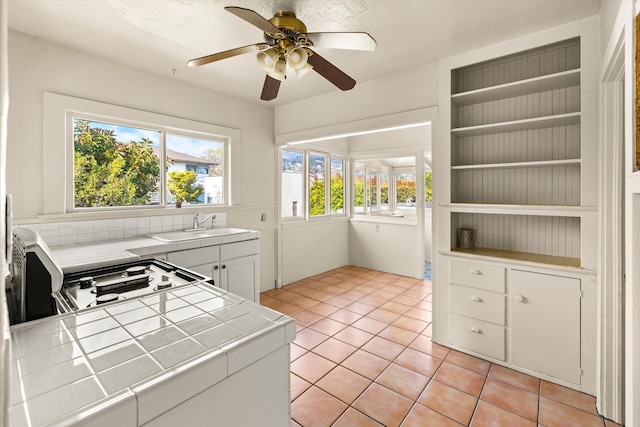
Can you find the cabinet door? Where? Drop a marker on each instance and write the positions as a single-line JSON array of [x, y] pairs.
[[209, 270], [545, 324], [240, 276]]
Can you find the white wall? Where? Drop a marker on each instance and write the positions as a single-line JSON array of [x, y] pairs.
[[309, 249], [405, 91], [37, 66], [385, 246]]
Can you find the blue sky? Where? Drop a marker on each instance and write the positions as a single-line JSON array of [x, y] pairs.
[[192, 146]]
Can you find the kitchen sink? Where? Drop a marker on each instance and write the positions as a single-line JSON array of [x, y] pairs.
[[179, 236]]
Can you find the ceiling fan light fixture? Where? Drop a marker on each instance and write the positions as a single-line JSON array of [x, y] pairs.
[[297, 57], [279, 70], [303, 70], [268, 59]]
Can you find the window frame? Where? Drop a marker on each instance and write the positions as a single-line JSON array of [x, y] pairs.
[[59, 111], [328, 156], [393, 204], [298, 217]]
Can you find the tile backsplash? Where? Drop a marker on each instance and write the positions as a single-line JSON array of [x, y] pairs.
[[101, 230]]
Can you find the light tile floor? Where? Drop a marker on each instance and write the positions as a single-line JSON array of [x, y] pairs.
[[363, 356]]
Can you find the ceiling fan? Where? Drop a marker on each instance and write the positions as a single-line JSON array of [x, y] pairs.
[[287, 42]]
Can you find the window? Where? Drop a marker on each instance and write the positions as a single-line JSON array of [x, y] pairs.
[[204, 157], [114, 165], [317, 168], [117, 165], [62, 117], [406, 192], [358, 188], [388, 189], [384, 191], [428, 190], [317, 194], [337, 186], [293, 200], [372, 191]]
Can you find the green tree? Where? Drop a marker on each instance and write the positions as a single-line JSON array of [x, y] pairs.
[[358, 192], [337, 193], [182, 185], [384, 193], [428, 187], [112, 173], [405, 190], [316, 197]]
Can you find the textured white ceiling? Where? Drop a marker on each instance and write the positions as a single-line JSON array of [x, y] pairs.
[[160, 36]]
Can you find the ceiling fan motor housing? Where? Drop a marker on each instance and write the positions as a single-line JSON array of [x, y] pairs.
[[289, 25]]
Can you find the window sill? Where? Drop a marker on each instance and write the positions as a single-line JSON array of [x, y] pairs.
[[125, 213], [296, 223], [386, 219]]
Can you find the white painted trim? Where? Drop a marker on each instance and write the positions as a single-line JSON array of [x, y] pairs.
[[5, 336], [610, 384], [56, 156], [632, 230]]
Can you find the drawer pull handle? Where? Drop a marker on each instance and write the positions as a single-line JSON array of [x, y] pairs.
[[476, 272], [519, 298], [476, 330], [476, 299]]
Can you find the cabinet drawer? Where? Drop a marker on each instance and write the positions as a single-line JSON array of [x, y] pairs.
[[478, 336], [238, 250], [477, 275], [478, 303], [193, 257]]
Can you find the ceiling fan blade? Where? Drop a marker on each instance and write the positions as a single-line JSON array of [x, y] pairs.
[[223, 55], [255, 19], [270, 88], [330, 72], [353, 41]]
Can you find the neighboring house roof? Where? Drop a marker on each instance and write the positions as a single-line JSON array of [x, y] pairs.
[[178, 157]]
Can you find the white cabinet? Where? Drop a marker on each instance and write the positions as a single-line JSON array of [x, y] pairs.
[[545, 324], [528, 320], [234, 267], [240, 276]]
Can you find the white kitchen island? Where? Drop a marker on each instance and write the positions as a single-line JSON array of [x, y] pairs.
[[192, 356]]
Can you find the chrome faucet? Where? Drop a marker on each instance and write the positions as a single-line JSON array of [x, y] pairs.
[[197, 223]]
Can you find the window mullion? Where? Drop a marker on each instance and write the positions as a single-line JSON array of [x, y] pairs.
[[327, 185], [163, 168]]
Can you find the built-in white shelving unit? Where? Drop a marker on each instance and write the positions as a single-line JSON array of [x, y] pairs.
[[516, 152], [515, 161]]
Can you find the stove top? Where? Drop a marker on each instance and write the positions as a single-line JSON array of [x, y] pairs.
[[121, 281]]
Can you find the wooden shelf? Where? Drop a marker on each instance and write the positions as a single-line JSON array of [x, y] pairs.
[[521, 256], [519, 165], [542, 210], [523, 87], [519, 125]]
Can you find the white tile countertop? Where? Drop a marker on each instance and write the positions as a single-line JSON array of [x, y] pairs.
[[124, 363], [79, 257]]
